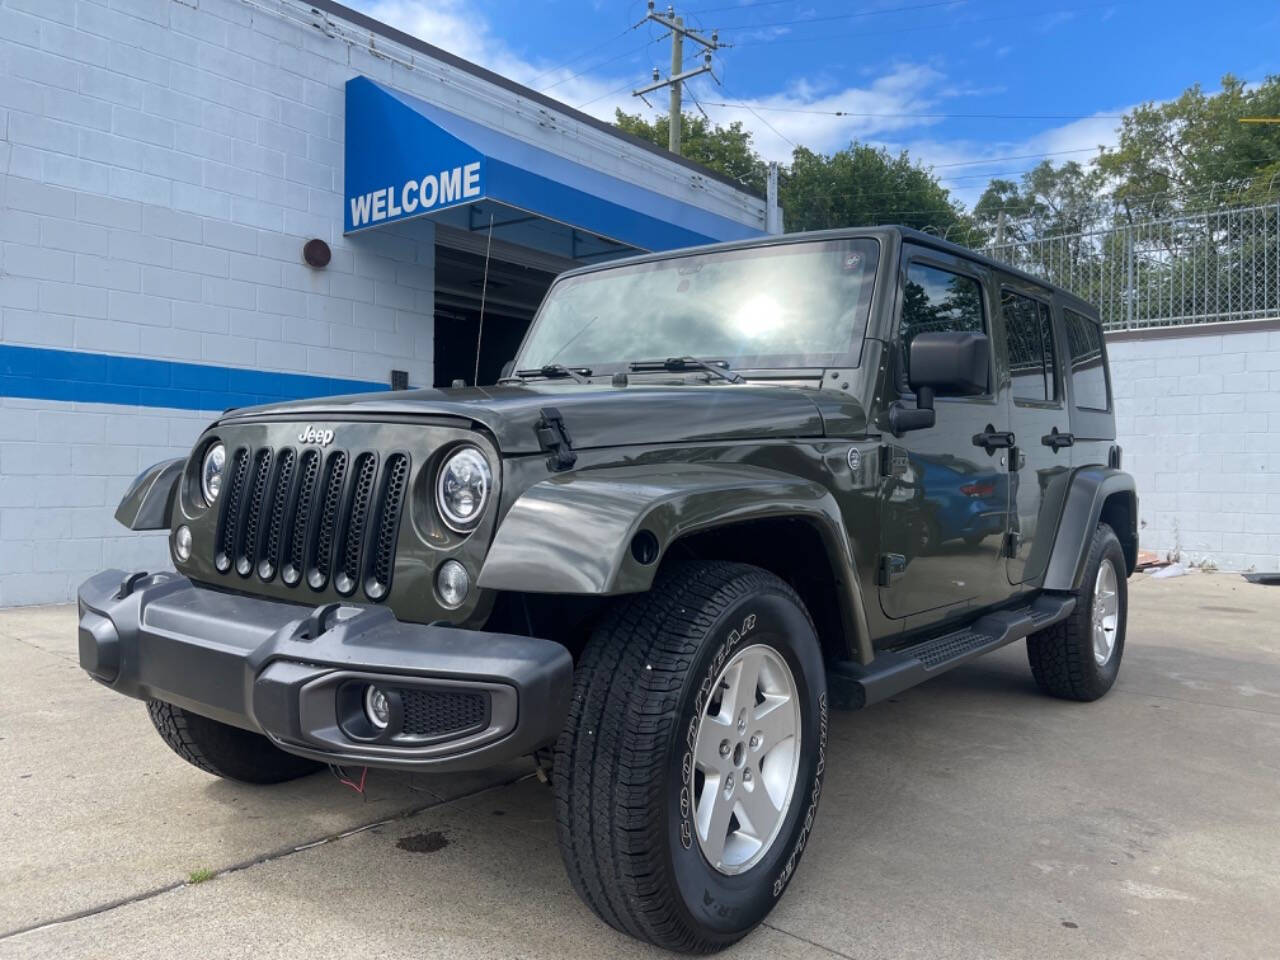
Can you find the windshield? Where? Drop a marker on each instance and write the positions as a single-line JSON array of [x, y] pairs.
[[787, 305]]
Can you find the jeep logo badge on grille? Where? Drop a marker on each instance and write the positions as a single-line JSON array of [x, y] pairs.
[[321, 438]]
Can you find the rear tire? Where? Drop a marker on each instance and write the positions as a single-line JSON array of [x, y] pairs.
[[1079, 658], [224, 750], [631, 773]]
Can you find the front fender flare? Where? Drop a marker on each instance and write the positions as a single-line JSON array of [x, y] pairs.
[[1089, 490], [572, 534], [145, 505]]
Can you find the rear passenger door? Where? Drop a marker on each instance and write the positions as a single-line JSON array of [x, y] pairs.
[[1040, 461]]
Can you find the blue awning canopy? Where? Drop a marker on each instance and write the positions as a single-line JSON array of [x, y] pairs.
[[407, 158]]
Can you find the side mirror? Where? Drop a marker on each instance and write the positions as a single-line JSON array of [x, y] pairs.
[[951, 363], [507, 368]]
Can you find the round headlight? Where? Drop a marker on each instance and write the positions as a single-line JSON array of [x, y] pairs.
[[215, 459], [462, 488]]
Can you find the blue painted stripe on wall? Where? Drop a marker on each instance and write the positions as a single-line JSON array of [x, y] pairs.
[[39, 373]]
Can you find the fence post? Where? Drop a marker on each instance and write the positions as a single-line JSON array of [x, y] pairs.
[[1130, 287]]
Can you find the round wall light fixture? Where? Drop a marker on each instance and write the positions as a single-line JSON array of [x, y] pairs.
[[316, 253]]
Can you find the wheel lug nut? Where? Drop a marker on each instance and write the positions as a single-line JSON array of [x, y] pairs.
[[728, 785], [742, 721], [755, 741], [724, 748]]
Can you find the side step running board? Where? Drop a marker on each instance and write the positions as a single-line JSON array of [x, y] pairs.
[[855, 685]]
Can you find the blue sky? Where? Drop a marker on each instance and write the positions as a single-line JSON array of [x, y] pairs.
[[1062, 68]]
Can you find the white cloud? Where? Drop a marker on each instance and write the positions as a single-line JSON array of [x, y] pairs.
[[805, 112], [454, 26], [965, 165]]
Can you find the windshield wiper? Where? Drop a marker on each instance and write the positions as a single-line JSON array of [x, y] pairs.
[[717, 367], [553, 370]]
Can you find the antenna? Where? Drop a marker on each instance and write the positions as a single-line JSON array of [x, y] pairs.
[[484, 289]]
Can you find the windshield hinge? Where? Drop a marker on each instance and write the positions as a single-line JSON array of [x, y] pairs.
[[553, 437]]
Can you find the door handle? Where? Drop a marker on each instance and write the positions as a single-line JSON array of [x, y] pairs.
[[1058, 440], [992, 439]]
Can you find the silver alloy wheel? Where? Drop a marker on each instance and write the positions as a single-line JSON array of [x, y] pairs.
[[748, 753], [1105, 613]]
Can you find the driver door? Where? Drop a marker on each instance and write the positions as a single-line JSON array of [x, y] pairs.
[[944, 505]]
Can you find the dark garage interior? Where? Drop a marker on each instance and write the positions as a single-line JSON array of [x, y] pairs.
[[512, 296]]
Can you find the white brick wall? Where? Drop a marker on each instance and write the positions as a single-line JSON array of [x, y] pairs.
[[63, 468], [159, 173], [1198, 417]]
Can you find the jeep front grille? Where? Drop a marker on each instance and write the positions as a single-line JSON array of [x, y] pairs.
[[314, 517]]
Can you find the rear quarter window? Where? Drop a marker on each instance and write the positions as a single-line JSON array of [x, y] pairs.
[[1087, 370]]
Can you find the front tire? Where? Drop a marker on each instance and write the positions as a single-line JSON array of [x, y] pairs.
[[1079, 658], [223, 750], [666, 719]]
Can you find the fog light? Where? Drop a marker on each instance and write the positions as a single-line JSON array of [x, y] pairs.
[[182, 543], [377, 707], [452, 583]]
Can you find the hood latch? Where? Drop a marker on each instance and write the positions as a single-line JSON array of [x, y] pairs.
[[554, 438]]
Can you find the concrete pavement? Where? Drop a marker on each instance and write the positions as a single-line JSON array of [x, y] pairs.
[[970, 817]]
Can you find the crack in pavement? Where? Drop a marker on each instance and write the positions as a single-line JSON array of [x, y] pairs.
[[270, 857], [1198, 703], [813, 943], [66, 658]]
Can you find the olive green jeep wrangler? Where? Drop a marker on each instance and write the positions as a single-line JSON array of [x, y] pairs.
[[718, 493]]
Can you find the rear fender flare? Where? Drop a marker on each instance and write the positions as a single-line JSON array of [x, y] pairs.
[[573, 534], [1089, 490]]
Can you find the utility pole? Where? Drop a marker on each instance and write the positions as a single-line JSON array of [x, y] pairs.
[[678, 74], [675, 123]]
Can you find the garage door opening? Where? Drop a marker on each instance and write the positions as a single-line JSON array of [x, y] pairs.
[[511, 298]]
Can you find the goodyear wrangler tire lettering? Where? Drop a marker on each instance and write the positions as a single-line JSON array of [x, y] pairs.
[[646, 677], [686, 763]]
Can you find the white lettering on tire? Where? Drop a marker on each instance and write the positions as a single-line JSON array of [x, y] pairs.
[[691, 735]]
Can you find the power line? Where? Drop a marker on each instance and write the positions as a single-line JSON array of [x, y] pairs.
[[596, 65], [935, 116], [577, 58], [860, 35], [832, 17], [1017, 156], [742, 104]]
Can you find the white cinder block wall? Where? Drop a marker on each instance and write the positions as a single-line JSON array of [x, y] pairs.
[[161, 165], [1198, 416]]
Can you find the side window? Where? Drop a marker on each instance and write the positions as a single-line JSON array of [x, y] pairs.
[[1029, 333], [1088, 375], [937, 300]]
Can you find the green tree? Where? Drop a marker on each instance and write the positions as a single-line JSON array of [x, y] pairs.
[[856, 186], [1194, 153], [862, 185], [726, 150], [1048, 201]]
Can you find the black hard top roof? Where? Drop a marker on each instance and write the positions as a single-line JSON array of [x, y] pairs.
[[883, 233]]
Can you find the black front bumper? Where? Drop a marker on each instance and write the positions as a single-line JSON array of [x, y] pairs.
[[296, 674]]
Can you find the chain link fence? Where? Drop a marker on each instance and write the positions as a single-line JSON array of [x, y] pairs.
[[1196, 268]]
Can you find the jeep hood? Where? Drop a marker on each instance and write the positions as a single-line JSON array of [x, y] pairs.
[[594, 415]]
